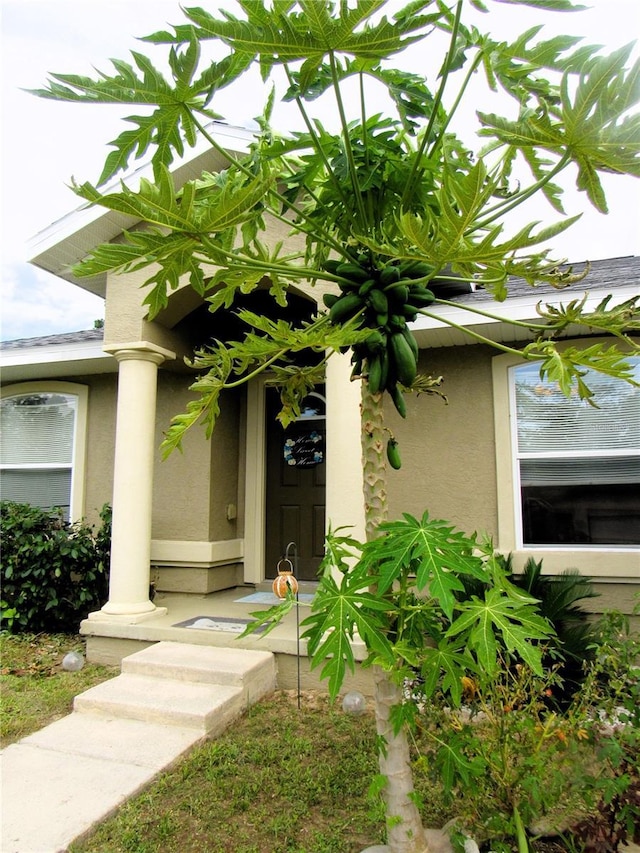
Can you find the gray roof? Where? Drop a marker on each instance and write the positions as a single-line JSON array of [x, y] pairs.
[[607, 274], [52, 340]]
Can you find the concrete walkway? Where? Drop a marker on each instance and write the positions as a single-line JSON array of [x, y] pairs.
[[58, 783]]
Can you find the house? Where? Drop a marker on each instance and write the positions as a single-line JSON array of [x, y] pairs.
[[506, 455]]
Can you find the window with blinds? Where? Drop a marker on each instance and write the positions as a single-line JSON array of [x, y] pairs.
[[37, 449], [577, 466]]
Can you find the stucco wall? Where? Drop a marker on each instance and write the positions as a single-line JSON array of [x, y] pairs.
[[181, 482], [225, 449], [448, 448], [193, 489], [101, 428]]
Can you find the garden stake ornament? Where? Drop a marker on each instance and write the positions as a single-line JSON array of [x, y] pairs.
[[285, 582]]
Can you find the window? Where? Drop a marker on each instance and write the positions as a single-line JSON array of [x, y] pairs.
[[42, 445], [568, 474], [578, 467]]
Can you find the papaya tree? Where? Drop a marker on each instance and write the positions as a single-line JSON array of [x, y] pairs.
[[387, 200]]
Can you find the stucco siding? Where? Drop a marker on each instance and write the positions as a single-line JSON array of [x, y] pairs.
[[182, 481], [448, 449], [101, 429], [224, 470]]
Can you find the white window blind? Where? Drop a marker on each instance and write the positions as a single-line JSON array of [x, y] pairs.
[[550, 422], [46, 488], [36, 448], [37, 429]]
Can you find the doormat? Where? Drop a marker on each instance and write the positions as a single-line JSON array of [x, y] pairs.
[[270, 598], [218, 623]]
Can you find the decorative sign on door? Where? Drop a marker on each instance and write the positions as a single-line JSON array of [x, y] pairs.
[[304, 440], [304, 448]]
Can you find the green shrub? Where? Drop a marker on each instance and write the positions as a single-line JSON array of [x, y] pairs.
[[53, 573]]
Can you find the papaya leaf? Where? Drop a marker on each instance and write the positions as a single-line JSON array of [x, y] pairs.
[[430, 549], [442, 667], [171, 123], [513, 617], [337, 613], [264, 621], [453, 764]]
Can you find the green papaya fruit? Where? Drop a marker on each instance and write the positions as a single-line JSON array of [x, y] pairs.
[[398, 294], [331, 265], [389, 275], [330, 299], [367, 287], [398, 400], [393, 454], [345, 308], [421, 297], [417, 269], [378, 301], [353, 271], [376, 342], [374, 373], [404, 359]]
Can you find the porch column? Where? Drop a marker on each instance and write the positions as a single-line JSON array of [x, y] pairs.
[[345, 502], [135, 451]]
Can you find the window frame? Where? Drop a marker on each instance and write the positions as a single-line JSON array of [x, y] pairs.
[[610, 562], [78, 456]]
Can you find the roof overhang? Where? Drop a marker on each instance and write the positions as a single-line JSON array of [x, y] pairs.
[[441, 329], [67, 241], [54, 361]]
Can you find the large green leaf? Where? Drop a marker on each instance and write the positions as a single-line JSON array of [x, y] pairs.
[[171, 122], [443, 667], [311, 31], [512, 616], [591, 125], [427, 547], [338, 612]]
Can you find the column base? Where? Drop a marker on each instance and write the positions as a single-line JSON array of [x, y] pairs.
[[119, 613]]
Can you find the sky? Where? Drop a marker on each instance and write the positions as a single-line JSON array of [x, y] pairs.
[[45, 143]]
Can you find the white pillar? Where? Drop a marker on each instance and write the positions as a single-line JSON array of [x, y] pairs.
[[345, 501], [135, 452]]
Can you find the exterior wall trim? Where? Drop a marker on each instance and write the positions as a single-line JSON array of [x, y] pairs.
[[175, 552]]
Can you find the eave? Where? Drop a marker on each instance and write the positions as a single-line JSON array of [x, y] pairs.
[[67, 241]]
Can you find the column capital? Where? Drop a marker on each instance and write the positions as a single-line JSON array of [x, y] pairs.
[[139, 351]]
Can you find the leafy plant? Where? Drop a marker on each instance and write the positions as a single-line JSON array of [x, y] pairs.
[[53, 572], [508, 763], [400, 598], [558, 598], [390, 206]]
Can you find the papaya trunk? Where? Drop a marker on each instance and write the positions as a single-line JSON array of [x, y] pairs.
[[405, 833]]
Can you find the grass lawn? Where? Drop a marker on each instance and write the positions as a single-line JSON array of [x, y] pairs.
[[280, 779], [35, 689]]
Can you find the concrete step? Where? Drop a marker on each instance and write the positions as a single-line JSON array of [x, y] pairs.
[[182, 684], [253, 671], [206, 707]]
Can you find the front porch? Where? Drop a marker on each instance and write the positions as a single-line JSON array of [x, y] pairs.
[[109, 640]]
